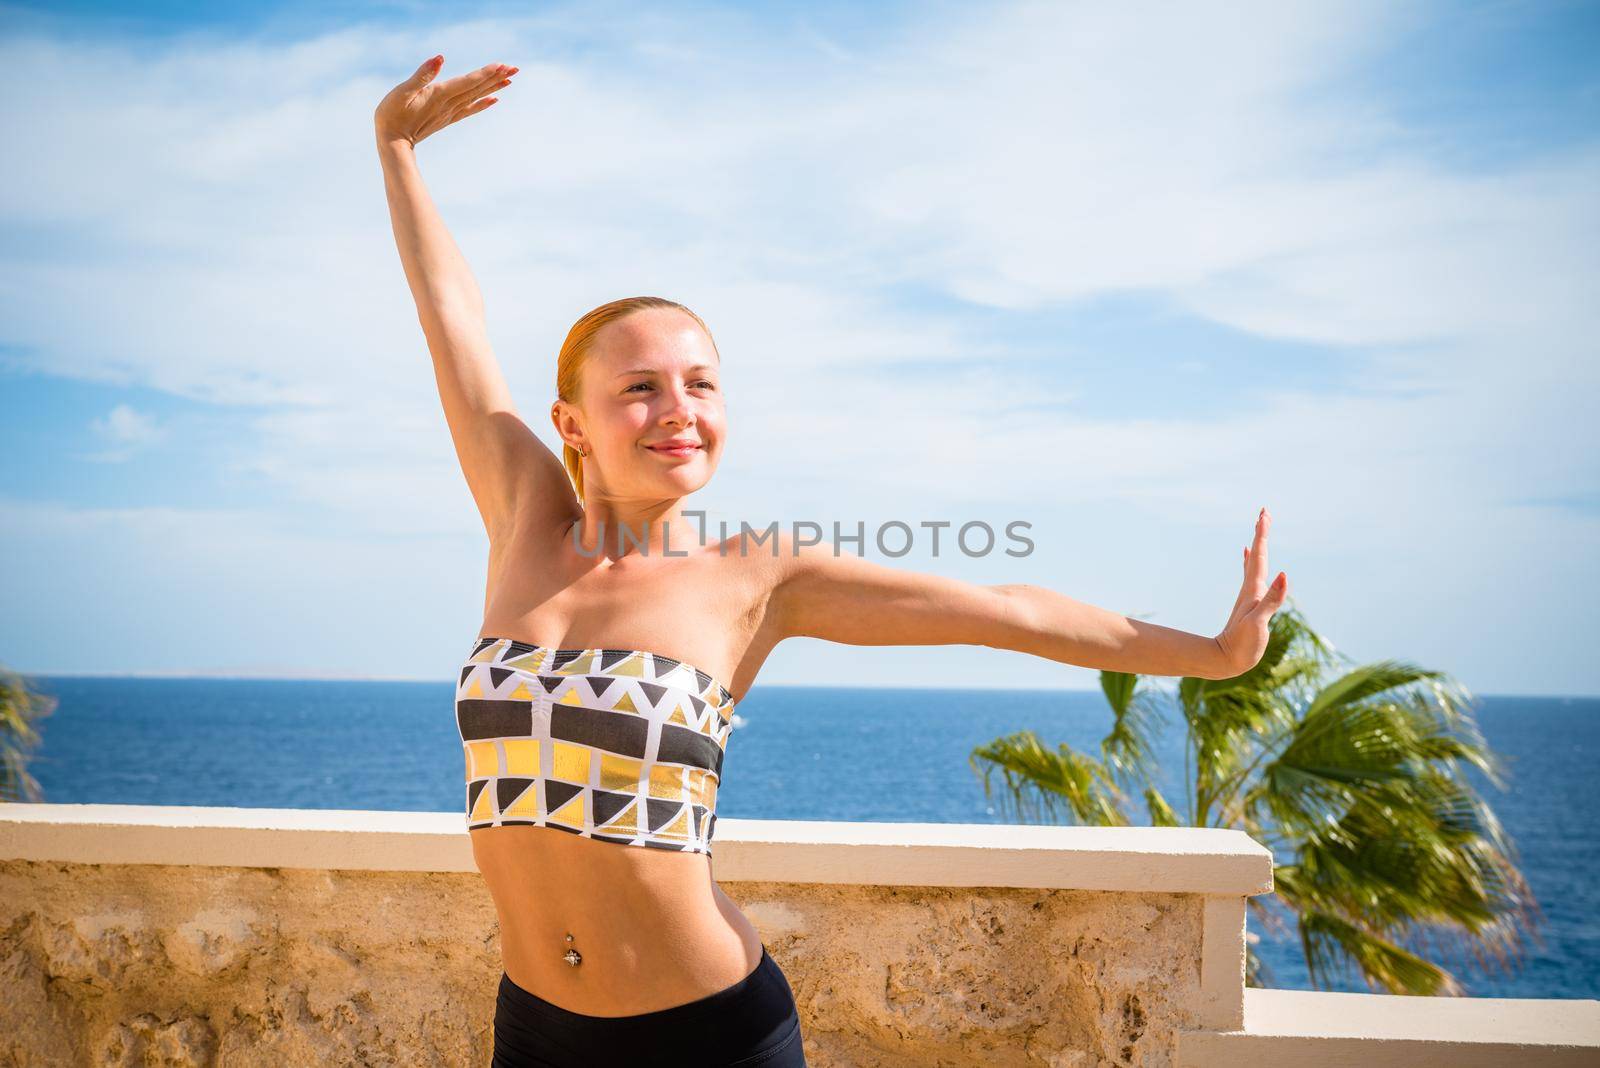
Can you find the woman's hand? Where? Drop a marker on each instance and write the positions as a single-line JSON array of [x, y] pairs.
[[1244, 638], [418, 106]]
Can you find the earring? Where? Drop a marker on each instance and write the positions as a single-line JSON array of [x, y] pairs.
[[583, 450]]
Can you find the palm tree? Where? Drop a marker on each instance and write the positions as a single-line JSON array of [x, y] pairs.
[[1393, 863], [19, 708]]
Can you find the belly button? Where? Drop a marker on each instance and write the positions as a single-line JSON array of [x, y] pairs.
[[572, 956]]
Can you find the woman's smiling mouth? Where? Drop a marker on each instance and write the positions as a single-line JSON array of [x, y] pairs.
[[675, 447]]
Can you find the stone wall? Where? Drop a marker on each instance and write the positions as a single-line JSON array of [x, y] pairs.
[[168, 935], [156, 964]]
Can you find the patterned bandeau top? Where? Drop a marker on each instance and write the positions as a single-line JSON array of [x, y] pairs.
[[618, 745]]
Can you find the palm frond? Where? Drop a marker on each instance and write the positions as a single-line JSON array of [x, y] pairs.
[[1422, 862], [1368, 680], [1332, 945], [1233, 726], [1040, 782], [1161, 813], [19, 708], [1347, 741], [1256, 972], [1444, 710], [1135, 715]]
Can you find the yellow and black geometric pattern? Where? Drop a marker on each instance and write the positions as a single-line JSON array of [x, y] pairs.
[[618, 745]]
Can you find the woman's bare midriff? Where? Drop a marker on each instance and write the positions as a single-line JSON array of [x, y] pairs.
[[652, 926]]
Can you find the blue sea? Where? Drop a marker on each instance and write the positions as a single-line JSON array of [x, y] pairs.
[[801, 753]]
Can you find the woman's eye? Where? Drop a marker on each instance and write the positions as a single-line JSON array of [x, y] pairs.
[[636, 385]]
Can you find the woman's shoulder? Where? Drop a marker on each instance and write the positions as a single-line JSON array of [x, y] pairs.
[[758, 554]]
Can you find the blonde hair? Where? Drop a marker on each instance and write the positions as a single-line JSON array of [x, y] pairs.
[[575, 353]]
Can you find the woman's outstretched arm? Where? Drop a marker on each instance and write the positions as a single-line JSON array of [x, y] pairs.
[[516, 481], [847, 599]]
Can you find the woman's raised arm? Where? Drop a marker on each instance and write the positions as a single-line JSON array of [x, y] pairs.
[[847, 599], [514, 478]]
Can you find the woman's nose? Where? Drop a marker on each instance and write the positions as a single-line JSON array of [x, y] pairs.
[[678, 407]]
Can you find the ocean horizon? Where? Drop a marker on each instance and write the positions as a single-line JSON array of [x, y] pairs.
[[797, 752]]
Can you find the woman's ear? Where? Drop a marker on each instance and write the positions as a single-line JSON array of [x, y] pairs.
[[565, 423]]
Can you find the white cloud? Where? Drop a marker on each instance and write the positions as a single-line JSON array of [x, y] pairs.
[[126, 430]]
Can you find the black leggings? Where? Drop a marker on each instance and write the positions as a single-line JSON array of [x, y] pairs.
[[752, 1023]]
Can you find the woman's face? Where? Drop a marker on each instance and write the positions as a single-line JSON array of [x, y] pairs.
[[651, 378]]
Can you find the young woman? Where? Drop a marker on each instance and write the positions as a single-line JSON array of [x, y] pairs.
[[592, 705]]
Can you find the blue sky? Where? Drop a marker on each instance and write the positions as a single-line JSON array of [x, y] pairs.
[[1125, 272]]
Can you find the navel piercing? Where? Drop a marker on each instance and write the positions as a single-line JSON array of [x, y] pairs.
[[572, 956]]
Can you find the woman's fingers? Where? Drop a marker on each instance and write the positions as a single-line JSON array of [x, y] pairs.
[[451, 86], [456, 106], [466, 97], [1253, 586], [426, 73], [1273, 599], [1258, 553], [456, 114], [1254, 580], [1273, 595], [467, 105], [443, 118], [468, 87]]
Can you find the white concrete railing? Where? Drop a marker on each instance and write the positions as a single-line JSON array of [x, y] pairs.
[[1179, 860], [1195, 1011], [1317, 1028]]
